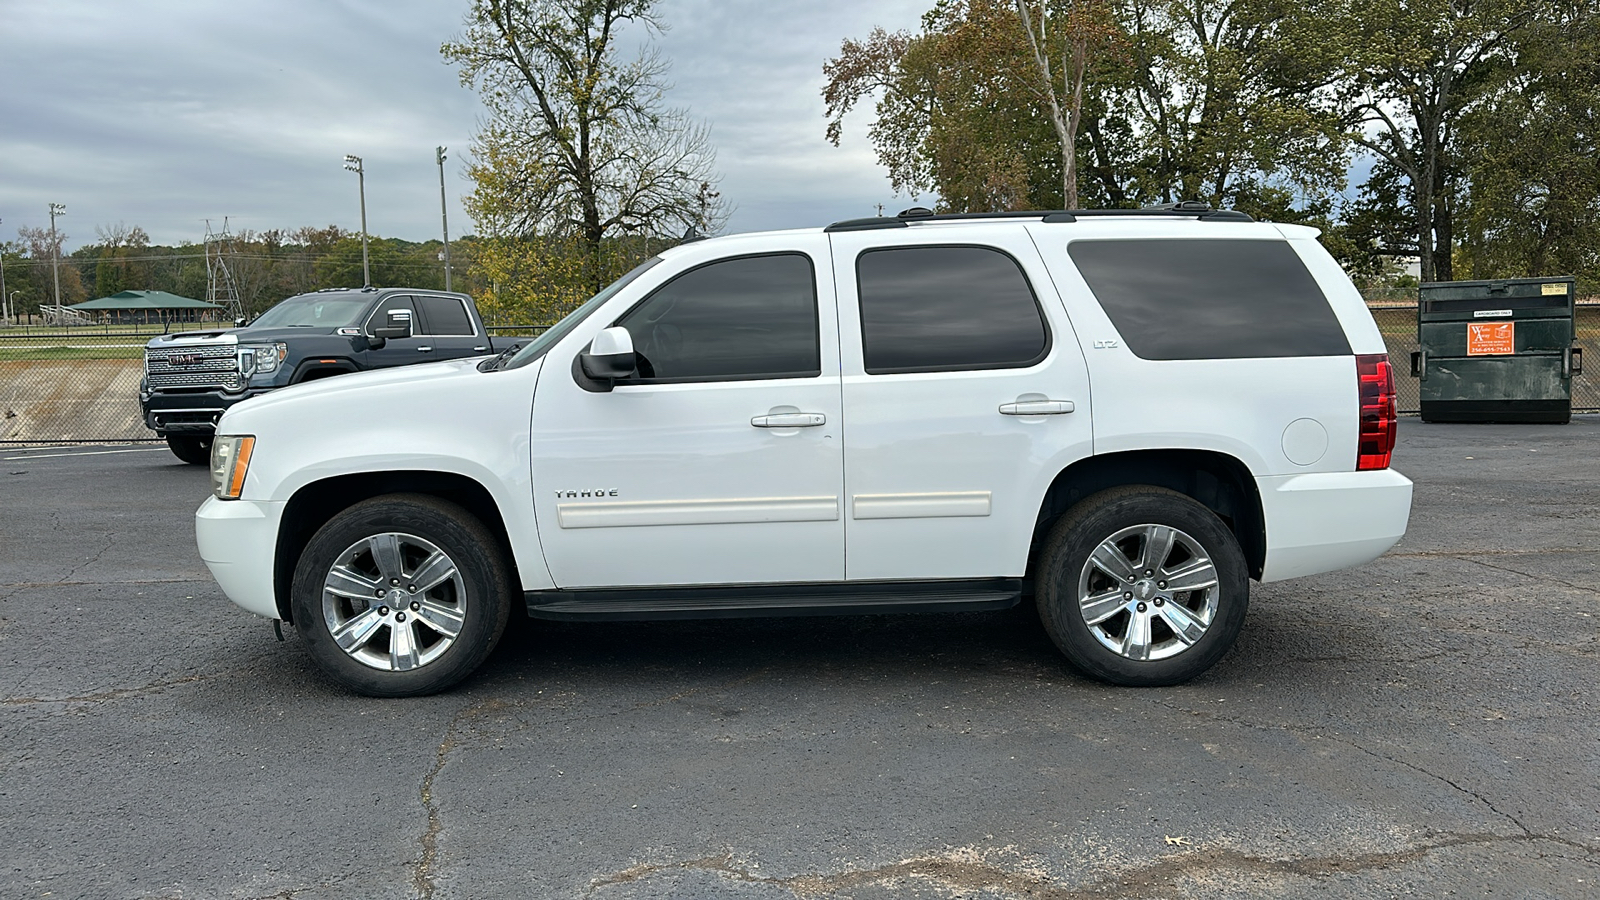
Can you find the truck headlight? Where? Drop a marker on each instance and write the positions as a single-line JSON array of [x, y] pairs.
[[263, 358], [230, 459]]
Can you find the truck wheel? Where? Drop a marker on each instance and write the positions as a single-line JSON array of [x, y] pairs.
[[193, 450], [401, 595], [1142, 586]]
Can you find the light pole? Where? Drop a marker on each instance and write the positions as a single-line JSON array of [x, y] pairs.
[[353, 164], [5, 307], [444, 216], [56, 209]]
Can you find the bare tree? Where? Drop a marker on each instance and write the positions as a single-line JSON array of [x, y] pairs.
[[1073, 27], [577, 142]]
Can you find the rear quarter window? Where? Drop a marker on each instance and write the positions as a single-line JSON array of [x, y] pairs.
[[1210, 299]]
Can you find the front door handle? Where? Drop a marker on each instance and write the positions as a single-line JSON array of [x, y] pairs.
[[1037, 408], [424, 349], [790, 420]]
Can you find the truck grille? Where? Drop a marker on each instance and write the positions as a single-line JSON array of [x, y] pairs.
[[193, 368]]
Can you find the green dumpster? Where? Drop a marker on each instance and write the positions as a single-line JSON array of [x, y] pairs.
[[1496, 351]]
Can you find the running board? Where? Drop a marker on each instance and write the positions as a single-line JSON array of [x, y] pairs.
[[748, 600]]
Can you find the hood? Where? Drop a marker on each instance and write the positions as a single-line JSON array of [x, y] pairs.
[[190, 338], [394, 380], [265, 335], [383, 397]]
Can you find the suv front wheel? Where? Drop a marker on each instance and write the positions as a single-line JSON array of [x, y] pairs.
[[401, 595], [1142, 586]]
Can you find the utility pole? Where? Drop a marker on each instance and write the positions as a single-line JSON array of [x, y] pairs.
[[444, 215], [5, 302], [56, 209], [353, 164]]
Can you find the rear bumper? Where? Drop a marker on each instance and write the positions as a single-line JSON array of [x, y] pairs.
[[238, 540], [1331, 520]]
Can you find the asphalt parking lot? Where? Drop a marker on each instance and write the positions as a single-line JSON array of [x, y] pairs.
[[1425, 725]]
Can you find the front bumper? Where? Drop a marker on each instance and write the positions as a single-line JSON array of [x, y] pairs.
[[189, 413], [1325, 521], [238, 540]]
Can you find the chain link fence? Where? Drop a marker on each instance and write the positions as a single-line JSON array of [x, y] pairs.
[[81, 385]]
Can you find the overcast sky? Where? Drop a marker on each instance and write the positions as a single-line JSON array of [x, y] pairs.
[[162, 113]]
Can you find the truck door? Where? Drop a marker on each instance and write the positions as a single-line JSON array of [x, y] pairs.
[[398, 351], [446, 321]]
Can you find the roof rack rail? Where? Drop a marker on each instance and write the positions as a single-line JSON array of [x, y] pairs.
[[1185, 209]]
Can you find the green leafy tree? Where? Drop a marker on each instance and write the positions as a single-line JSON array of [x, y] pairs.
[[578, 144], [1415, 70], [1530, 156], [1158, 100]]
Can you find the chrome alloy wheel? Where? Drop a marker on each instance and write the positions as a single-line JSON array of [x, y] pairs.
[[394, 601], [1148, 592]]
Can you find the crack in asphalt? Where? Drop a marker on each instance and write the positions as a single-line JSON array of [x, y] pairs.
[[1527, 833], [1561, 581], [110, 541], [1458, 554], [50, 584], [116, 694], [967, 871], [422, 878], [526, 703]]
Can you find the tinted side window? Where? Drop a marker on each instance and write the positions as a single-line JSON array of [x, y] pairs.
[[444, 316], [1210, 299], [932, 309], [753, 317], [380, 313]]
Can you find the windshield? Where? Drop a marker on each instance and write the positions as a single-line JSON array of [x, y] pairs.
[[315, 311], [542, 344]]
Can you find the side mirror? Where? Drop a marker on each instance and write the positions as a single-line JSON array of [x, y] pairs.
[[397, 325], [610, 356], [239, 322]]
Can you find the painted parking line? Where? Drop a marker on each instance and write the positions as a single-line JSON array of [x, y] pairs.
[[89, 453]]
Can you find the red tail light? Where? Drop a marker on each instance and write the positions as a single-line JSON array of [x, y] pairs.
[[1375, 380]]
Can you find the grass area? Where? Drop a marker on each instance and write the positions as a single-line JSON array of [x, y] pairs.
[[17, 354], [89, 330]]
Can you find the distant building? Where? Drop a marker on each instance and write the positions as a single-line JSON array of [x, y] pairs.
[[147, 307]]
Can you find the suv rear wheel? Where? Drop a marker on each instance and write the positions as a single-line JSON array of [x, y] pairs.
[[193, 450], [1142, 586], [401, 595]]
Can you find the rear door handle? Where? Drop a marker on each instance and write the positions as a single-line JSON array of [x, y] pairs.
[[1037, 408], [424, 349], [790, 420]]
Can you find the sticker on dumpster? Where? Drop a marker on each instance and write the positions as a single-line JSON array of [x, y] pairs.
[[1491, 338], [1548, 289]]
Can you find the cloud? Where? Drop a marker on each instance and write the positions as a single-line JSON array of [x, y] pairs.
[[166, 113]]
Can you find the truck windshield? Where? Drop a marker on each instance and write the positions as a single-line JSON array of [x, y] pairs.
[[315, 311], [550, 336]]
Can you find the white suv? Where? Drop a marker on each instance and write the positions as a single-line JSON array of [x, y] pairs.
[[1127, 414]]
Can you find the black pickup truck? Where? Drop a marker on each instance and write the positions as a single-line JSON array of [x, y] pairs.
[[190, 378]]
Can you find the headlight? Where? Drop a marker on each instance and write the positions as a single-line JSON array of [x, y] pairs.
[[230, 458], [263, 358]]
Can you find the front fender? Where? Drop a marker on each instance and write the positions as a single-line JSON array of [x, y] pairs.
[[461, 422]]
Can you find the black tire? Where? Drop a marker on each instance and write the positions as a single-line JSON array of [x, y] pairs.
[[195, 451], [478, 593], [1135, 517]]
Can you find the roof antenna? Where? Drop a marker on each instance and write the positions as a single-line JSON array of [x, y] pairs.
[[690, 235]]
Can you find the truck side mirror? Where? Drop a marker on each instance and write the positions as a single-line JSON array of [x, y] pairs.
[[610, 356], [397, 325]]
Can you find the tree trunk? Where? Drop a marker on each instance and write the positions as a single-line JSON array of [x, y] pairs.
[[1444, 232]]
